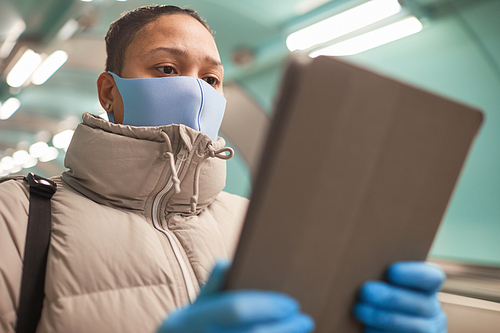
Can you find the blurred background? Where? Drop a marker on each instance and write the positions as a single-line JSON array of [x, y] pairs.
[[51, 52]]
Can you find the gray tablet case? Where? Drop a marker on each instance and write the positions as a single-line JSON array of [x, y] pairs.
[[357, 173]]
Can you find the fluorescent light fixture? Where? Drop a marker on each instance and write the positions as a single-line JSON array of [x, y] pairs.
[[49, 66], [50, 155], [61, 140], [38, 149], [6, 48], [16, 168], [342, 24], [23, 69], [11, 39], [20, 157], [87, 0], [306, 6], [9, 107], [7, 163], [30, 163], [68, 29], [372, 39]]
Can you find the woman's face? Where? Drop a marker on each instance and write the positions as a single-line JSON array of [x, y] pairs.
[[172, 45]]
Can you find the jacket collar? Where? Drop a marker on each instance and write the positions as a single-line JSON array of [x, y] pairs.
[[127, 167]]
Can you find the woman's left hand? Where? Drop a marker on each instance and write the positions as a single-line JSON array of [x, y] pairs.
[[406, 303]]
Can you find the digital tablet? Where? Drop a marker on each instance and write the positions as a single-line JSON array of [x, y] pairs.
[[356, 174]]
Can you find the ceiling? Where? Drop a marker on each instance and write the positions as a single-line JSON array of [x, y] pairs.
[[255, 28]]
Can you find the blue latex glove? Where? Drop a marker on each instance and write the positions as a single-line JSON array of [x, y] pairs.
[[237, 311], [407, 303]]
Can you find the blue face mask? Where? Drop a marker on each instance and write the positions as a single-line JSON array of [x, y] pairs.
[[171, 100]]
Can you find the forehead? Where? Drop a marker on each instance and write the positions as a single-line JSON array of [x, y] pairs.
[[173, 31]]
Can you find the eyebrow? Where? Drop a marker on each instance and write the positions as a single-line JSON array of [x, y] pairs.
[[178, 52]]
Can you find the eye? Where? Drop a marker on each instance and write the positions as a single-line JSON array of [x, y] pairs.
[[166, 69], [211, 80]]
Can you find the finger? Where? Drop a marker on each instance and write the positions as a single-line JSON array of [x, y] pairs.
[[375, 318], [243, 307], [216, 278], [389, 297], [416, 275], [299, 323]]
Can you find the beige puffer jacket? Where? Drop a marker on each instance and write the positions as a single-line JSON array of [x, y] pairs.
[[125, 248]]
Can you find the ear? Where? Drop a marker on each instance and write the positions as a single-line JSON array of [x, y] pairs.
[[105, 89]]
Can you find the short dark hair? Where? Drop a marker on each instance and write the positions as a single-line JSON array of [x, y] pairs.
[[123, 31]]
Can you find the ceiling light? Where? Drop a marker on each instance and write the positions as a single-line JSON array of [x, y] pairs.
[[306, 6], [7, 163], [49, 66], [9, 107], [43, 135], [87, 0], [50, 155], [23, 69], [6, 48], [30, 163], [11, 39], [68, 29], [372, 39], [61, 140], [16, 168], [20, 157], [342, 24], [38, 149]]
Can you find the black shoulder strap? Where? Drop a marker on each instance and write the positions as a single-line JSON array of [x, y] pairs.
[[35, 253]]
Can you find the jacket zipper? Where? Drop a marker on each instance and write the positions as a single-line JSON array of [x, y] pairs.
[[176, 248]]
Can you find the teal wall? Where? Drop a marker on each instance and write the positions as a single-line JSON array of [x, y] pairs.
[[456, 55], [262, 88], [238, 179]]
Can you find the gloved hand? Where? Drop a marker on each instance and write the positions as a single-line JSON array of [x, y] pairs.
[[407, 303], [237, 311]]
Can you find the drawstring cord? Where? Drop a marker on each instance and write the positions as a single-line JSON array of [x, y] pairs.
[[220, 153], [168, 153]]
